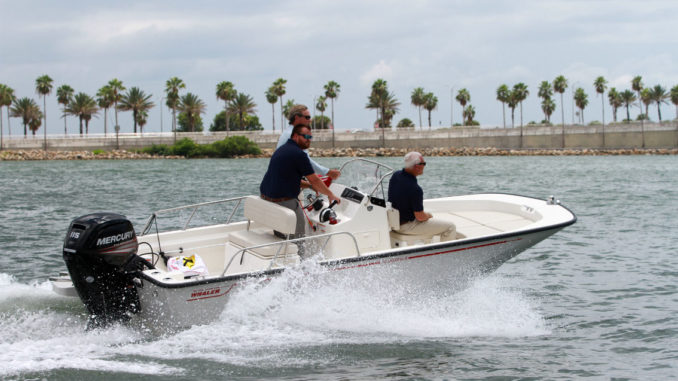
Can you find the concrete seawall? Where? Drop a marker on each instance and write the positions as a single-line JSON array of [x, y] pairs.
[[616, 136]]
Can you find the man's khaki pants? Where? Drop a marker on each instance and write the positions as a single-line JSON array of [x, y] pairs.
[[432, 226]]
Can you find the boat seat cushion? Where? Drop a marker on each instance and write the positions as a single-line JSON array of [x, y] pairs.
[[411, 237], [270, 214], [248, 238]]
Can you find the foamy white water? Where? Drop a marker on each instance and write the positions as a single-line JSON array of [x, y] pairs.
[[266, 323]]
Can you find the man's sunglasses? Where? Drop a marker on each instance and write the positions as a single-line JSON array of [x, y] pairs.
[[307, 117], [307, 137], [423, 163]]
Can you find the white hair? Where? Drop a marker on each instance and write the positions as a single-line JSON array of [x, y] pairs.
[[413, 158]]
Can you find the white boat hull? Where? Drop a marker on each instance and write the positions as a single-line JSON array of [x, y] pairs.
[[444, 267], [155, 288]]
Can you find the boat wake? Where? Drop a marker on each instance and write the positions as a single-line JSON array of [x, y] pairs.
[[301, 318]]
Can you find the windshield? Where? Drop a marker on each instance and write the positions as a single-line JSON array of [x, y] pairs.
[[365, 175]]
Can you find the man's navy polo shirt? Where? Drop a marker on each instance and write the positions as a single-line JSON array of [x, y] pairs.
[[285, 170], [405, 195]]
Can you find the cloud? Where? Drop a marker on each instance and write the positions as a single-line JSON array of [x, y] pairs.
[[380, 70]]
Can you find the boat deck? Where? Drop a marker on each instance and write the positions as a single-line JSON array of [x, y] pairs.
[[474, 223]]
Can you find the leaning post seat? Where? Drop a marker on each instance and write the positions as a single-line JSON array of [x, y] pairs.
[[400, 240], [267, 216]]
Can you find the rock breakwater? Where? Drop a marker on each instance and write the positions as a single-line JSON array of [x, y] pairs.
[[342, 152], [76, 155]]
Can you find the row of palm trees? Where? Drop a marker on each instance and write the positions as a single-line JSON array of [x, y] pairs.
[[648, 95], [387, 105], [115, 95]]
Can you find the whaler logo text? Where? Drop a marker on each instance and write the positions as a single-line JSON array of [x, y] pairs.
[[115, 238]]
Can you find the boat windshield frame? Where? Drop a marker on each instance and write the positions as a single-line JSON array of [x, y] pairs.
[[377, 166]]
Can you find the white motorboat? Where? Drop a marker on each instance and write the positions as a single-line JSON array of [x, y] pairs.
[[186, 274]]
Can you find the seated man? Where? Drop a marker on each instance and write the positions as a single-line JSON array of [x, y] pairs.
[[407, 196], [282, 182]]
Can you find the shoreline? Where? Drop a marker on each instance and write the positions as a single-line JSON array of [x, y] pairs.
[[36, 155]]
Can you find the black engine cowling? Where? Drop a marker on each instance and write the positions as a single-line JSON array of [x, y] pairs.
[[100, 251]]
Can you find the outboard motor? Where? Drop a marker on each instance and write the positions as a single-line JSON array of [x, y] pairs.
[[100, 254]]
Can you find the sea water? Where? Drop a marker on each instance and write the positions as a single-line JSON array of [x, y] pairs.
[[597, 300]]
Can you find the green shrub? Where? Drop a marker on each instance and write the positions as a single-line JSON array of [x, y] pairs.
[[98, 151], [186, 147], [157, 149], [233, 146], [405, 122], [229, 147]]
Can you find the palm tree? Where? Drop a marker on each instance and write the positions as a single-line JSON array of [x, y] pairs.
[[83, 106], [375, 100], [548, 106], [674, 98], [26, 109], [288, 106], [279, 90], [105, 100], [142, 118], [384, 102], [193, 107], [637, 86], [2, 95], [469, 114], [332, 90], [512, 103], [64, 94], [243, 105], [43, 86], [659, 96], [6, 99], [417, 99], [35, 123], [136, 100], [503, 94], [559, 86], [226, 92], [601, 85], [430, 104], [463, 97], [627, 97], [581, 100], [172, 87], [116, 88], [646, 98], [545, 92], [272, 99], [520, 92], [615, 101], [321, 105]]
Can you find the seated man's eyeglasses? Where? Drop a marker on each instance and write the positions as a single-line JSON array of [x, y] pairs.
[[423, 163]]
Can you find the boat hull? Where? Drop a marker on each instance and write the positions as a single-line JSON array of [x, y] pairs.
[[442, 268]]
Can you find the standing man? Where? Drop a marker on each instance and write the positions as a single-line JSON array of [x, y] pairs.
[[282, 181], [406, 195], [300, 115]]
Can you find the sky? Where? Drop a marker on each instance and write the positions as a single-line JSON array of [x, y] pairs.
[[439, 45]]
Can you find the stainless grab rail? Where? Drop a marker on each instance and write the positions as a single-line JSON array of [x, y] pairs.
[[195, 207], [287, 242]]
